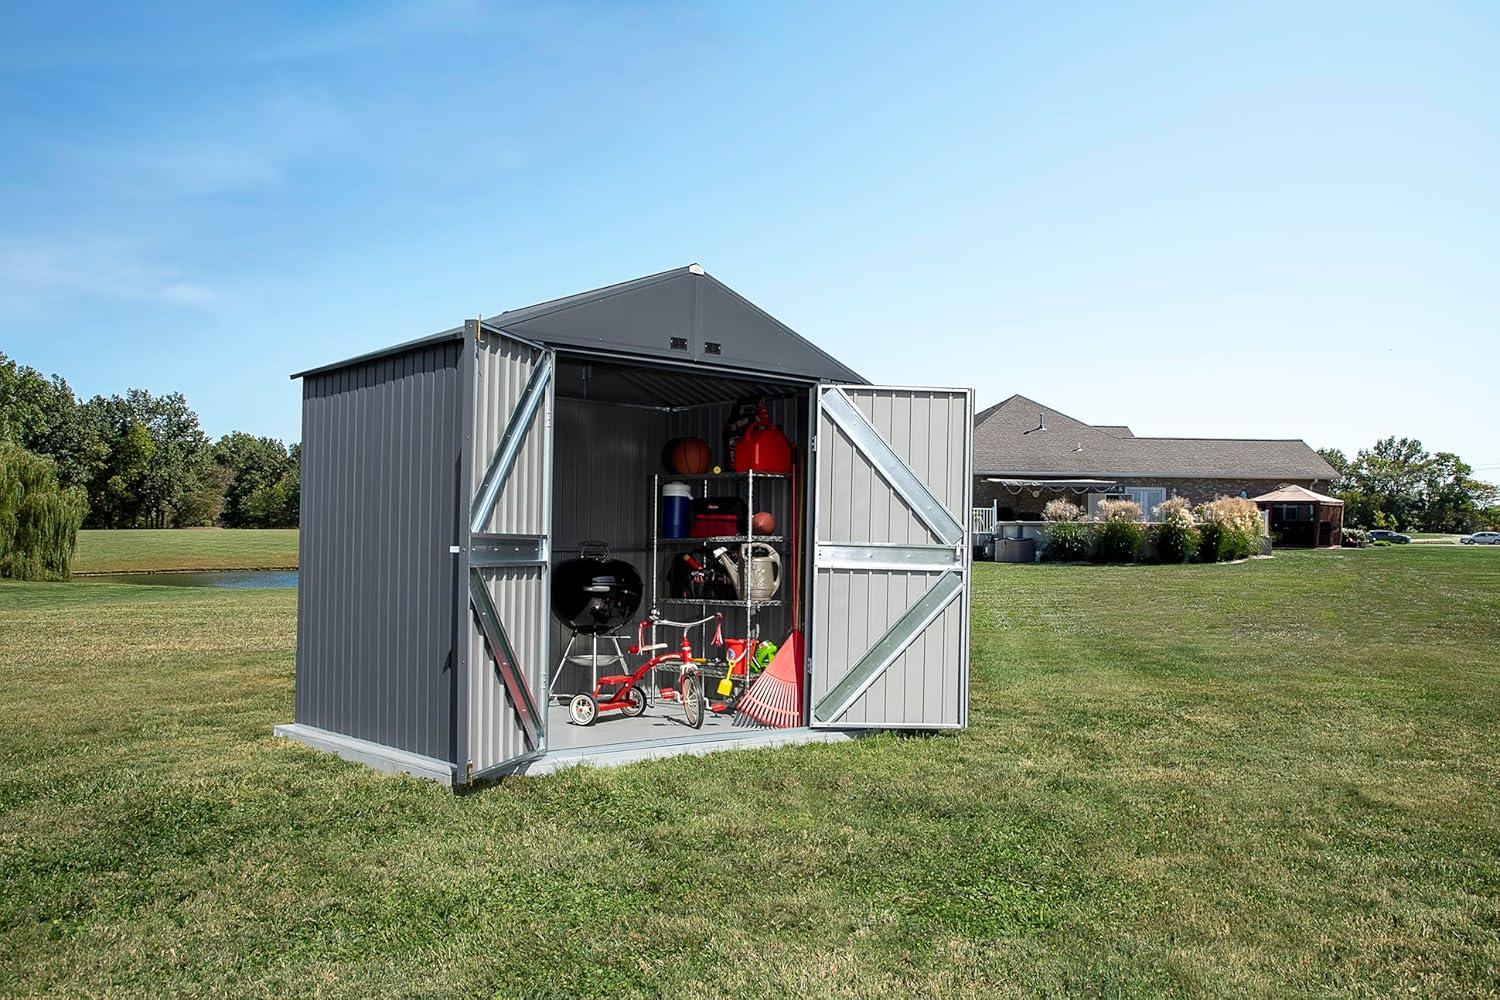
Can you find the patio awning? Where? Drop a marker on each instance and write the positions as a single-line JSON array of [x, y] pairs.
[[1082, 485]]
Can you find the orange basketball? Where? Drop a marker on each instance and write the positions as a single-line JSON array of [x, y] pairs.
[[690, 456], [763, 523]]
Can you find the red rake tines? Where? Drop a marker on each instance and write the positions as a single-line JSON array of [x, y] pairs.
[[774, 699]]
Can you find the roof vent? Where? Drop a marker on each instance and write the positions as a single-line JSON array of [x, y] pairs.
[[1041, 424]]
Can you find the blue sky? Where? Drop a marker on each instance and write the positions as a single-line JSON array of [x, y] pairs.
[[1268, 220]]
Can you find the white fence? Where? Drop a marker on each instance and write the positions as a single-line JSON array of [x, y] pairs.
[[982, 520]]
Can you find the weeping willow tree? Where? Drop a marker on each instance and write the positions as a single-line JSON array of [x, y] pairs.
[[38, 520]]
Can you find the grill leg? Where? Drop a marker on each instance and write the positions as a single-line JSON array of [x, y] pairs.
[[572, 637]]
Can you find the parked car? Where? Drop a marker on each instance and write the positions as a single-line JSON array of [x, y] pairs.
[[1394, 537], [1482, 538]]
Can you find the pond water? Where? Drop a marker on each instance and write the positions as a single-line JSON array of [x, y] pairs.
[[219, 578]]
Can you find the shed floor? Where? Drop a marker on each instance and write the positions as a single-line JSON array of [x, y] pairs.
[[661, 722]]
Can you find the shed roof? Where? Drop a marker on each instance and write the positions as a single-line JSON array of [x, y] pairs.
[[1021, 437], [684, 315], [1297, 494]]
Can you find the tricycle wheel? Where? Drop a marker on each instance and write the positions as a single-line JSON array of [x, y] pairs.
[[583, 710], [692, 700], [635, 700]]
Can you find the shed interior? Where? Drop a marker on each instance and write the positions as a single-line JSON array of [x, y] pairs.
[[612, 423]]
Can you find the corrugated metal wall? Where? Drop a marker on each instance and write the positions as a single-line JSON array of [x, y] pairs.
[[380, 506], [927, 684], [503, 367], [602, 492]]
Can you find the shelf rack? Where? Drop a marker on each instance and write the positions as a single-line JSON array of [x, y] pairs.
[[723, 540], [660, 545]]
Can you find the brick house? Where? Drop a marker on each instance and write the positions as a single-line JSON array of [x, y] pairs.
[[1026, 454]]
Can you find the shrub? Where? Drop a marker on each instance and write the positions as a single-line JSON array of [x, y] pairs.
[[1061, 510], [1355, 538], [1231, 529], [1068, 541], [38, 520], [1177, 536], [1121, 533]]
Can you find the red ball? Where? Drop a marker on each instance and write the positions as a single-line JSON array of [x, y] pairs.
[[763, 523]]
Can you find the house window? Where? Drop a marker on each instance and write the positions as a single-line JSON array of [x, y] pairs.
[[1145, 497], [1148, 498], [1097, 498]]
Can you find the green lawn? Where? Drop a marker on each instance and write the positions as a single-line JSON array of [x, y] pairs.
[[1433, 538], [1279, 777], [149, 550]]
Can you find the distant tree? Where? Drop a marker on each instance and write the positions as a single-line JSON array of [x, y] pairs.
[[38, 518], [1398, 484], [42, 416], [1340, 463], [1453, 499], [23, 401], [263, 483], [205, 504], [1386, 481], [143, 460], [157, 462], [118, 481]]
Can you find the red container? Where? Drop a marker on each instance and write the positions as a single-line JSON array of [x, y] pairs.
[[712, 525], [764, 448], [737, 652]]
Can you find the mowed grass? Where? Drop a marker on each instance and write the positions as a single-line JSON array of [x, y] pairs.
[[1434, 538], [150, 550], [1275, 778]]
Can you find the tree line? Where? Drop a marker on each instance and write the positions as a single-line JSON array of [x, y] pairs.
[[141, 460], [1398, 484]]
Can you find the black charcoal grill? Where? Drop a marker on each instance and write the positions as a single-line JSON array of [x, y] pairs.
[[593, 595]]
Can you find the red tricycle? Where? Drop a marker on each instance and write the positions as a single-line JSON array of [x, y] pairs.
[[626, 694]]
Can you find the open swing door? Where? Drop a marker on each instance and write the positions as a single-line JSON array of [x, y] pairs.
[[507, 551], [889, 637]]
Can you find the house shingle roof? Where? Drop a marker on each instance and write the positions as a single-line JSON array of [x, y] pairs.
[[1022, 437]]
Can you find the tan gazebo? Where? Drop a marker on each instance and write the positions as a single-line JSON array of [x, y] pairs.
[[1298, 516]]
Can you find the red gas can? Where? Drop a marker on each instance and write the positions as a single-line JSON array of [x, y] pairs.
[[764, 448]]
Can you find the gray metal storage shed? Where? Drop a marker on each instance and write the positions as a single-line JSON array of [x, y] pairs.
[[442, 477]]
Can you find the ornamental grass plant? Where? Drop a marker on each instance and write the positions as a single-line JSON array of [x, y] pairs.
[[1177, 535], [1121, 531], [1069, 539], [1231, 529]]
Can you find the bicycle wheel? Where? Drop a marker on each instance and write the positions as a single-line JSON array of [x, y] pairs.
[[692, 699], [636, 702]]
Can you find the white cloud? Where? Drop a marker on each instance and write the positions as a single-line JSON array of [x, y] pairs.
[[191, 170], [34, 274]]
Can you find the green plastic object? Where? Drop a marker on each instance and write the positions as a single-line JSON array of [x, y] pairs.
[[763, 654]]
